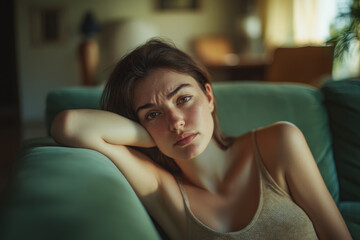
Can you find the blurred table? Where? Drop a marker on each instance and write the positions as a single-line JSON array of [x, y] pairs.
[[239, 68]]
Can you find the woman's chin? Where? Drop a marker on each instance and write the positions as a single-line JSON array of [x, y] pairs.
[[189, 152]]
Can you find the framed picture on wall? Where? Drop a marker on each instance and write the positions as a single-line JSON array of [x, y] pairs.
[[47, 25], [177, 4]]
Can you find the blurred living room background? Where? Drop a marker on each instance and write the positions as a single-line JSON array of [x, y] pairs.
[[62, 43]]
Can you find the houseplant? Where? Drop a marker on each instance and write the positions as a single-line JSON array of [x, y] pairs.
[[346, 29]]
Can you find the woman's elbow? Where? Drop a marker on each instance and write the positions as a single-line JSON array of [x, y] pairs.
[[60, 129]]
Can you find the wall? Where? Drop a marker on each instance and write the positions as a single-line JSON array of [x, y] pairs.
[[44, 68]]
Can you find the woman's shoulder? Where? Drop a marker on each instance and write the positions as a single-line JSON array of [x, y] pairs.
[[280, 127], [277, 144], [277, 131], [278, 135], [278, 140]]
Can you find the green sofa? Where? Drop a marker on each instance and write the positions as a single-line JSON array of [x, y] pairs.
[[59, 192]]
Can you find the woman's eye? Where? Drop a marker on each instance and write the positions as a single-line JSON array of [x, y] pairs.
[[152, 115], [184, 99]]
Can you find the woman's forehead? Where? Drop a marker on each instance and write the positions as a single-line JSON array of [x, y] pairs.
[[161, 83], [167, 76]]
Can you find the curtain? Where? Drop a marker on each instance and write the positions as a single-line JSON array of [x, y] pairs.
[[296, 22]]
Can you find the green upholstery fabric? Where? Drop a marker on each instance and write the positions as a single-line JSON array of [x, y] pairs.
[[342, 100], [70, 193], [351, 214]]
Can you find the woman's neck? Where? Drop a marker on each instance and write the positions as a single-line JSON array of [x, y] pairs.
[[209, 169]]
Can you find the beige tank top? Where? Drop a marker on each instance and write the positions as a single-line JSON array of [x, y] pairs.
[[277, 216]]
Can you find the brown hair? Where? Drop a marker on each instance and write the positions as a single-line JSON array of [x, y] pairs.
[[118, 93]]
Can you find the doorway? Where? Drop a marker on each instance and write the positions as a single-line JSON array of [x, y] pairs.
[[10, 124]]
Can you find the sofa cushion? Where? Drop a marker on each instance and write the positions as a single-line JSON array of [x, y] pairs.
[[70, 193], [342, 100]]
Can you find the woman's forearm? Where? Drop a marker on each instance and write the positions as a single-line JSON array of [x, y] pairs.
[[83, 127]]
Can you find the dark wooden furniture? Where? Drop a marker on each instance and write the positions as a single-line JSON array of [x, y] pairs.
[[247, 68], [310, 65]]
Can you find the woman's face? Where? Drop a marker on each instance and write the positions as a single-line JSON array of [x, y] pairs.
[[176, 112]]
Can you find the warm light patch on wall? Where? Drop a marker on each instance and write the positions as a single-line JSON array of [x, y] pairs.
[[277, 22], [312, 20], [297, 22]]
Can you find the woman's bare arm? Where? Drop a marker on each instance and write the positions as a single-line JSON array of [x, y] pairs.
[[304, 180], [110, 134], [78, 127]]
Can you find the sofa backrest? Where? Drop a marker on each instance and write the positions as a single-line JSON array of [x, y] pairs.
[[243, 106], [71, 98]]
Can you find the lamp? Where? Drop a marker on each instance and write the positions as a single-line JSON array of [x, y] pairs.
[[88, 49], [118, 37], [249, 29]]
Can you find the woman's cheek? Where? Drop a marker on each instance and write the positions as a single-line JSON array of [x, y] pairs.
[[202, 117], [198, 112], [156, 131]]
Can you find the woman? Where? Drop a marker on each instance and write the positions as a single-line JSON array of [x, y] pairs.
[[159, 127]]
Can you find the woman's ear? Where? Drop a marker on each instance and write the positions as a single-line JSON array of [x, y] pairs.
[[209, 95]]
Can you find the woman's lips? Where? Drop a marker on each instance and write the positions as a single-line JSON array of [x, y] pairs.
[[185, 139]]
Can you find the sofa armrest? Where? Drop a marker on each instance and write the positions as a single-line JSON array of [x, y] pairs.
[[342, 101], [70, 193], [351, 213]]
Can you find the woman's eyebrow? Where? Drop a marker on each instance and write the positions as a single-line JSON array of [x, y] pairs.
[[170, 95], [148, 105]]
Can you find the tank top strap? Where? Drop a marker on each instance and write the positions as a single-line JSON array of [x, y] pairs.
[[268, 180], [183, 193]]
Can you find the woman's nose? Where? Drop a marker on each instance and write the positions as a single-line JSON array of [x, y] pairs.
[[176, 120]]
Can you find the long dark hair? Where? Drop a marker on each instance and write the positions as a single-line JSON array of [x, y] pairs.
[[118, 93]]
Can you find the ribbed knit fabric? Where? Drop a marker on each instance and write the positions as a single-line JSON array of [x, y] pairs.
[[277, 216]]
